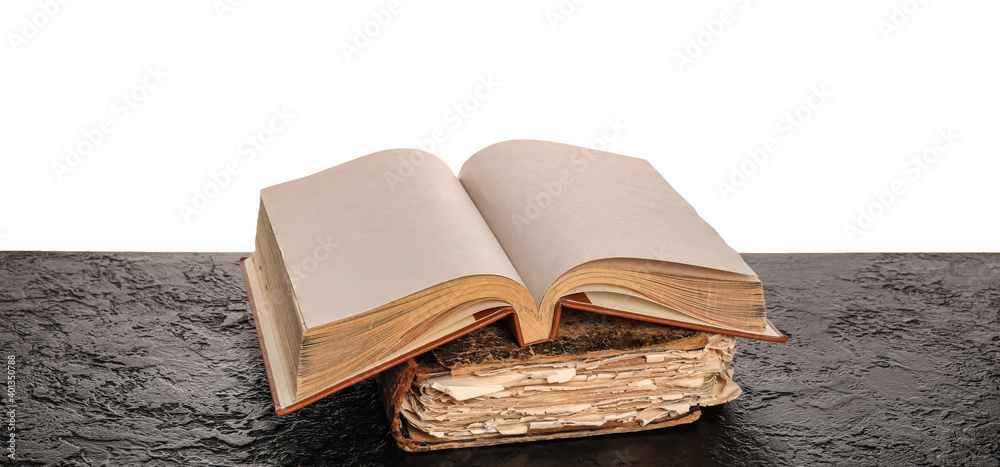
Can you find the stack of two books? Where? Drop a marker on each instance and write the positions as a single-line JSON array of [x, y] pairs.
[[548, 291]]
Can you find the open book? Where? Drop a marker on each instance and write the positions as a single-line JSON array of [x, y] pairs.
[[367, 264]]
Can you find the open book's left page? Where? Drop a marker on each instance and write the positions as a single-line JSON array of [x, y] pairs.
[[364, 234]]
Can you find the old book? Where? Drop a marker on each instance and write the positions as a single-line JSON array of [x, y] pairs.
[[367, 264], [603, 374]]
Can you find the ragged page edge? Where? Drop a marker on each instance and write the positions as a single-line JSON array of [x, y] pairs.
[[417, 441]]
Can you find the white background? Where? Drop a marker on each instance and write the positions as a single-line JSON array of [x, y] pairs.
[[898, 72]]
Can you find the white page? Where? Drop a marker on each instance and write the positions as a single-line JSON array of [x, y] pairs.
[[376, 229], [554, 206]]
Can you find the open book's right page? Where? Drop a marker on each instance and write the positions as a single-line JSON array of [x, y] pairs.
[[554, 207]]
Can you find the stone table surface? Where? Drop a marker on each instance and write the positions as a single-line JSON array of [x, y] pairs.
[[152, 358]]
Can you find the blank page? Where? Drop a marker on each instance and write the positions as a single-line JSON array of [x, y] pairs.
[[376, 229], [554, 207]]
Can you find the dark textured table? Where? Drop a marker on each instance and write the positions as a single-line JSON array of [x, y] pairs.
[[135, 358]]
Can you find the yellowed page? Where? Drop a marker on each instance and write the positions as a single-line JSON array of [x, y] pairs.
[[554, 206], [376, 229], [617, 298]]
